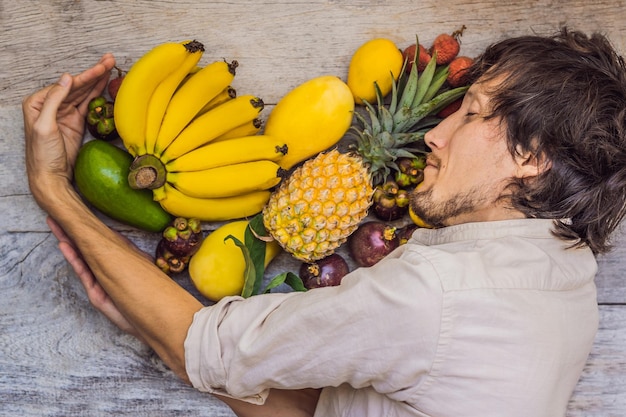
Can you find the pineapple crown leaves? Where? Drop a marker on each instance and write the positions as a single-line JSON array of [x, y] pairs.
[[391, 129], [380, 148], [420, 96], [379, 158]]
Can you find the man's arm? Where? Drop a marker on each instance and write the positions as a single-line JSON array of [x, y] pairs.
[[158, 309]]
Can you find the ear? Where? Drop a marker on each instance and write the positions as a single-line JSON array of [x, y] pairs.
[[530, 164]]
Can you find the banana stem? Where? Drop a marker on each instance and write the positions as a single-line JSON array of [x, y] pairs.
[[146, 172]]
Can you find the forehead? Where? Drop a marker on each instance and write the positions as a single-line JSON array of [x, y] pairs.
[[483, 90]]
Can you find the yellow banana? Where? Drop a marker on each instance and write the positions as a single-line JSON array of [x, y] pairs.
[[234, 151], [188, 76], [185, 104], [226, 94], [210, 209], [131, 103], [227, 181], [248, 128], [211, 124], [163, 94]]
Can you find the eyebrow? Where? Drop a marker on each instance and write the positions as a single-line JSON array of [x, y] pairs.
[[478, 96]]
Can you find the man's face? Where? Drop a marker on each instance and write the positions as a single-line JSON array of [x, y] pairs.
[[468, 168]]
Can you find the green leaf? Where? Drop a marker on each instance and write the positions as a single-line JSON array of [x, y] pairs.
[[438, 79], [393, 103], [249, 272], [408, 93], [253, 250], [431, 107], [425, 80], [288, 278], [256, 248], [386, 119], [425, 124], [379, 94], [295, 282], [374, 122]]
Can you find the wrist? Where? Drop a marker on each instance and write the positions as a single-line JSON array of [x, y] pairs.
[[52, 194]]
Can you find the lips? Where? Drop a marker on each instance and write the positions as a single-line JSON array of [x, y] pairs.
[[432, 162]]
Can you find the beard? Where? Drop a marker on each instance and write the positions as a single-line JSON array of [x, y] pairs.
[[438, 213]]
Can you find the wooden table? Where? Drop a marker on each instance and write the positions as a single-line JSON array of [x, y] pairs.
[[58, 357]]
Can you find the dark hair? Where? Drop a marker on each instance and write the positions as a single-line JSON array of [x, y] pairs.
[[563, 98]]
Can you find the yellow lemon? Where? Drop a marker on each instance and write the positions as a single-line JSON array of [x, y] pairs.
[[217, 269], [376, 61]]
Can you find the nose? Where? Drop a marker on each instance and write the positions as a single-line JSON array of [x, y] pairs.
[[439, 136], [434, 138], [428, 139]]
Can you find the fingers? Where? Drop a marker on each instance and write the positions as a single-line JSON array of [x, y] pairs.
[[91, 82], [31, 105], [79, 266], [95, 293], [53, 99], [73, 91], [57, 230], [72, 255], [97, 296]]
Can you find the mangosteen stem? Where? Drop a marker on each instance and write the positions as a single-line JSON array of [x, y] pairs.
[[180, 223], [146, 171]]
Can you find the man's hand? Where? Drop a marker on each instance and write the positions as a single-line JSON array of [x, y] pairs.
[[54, 124]]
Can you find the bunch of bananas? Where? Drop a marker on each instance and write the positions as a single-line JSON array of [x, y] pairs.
[[196, 143]]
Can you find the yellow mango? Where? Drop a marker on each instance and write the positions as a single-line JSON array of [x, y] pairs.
[[374, 62], [311, 118], [217, 269]]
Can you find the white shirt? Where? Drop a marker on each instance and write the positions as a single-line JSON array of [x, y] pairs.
[[481, 319]]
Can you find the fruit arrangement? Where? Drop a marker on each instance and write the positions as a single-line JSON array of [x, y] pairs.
[[315, 209], [194, 151]]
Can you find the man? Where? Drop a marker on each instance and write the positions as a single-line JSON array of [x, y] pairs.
[[492, 313]]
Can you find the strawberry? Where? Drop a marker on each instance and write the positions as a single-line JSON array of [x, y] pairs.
[[458, 70], [422, 59], [446, 46]]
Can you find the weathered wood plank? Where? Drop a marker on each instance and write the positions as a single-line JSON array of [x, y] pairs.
[[278, 43], [600, 391]]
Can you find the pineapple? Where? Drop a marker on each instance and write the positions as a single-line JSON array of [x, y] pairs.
[[323, 201], [320, 205]]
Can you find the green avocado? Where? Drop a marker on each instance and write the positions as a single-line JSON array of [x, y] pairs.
[[101, 176]]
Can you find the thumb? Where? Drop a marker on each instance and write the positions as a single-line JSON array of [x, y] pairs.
[[55, 97]]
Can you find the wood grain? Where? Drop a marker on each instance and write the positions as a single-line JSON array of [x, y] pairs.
[[58, 357]]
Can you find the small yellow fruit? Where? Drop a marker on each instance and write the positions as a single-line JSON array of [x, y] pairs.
[[217, 269], [417, 220], [311, 118], [374, 62]]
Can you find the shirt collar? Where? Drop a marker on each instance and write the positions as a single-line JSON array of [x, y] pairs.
[[534, 228]]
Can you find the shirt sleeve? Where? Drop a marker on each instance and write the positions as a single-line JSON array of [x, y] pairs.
[[323, 337]]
